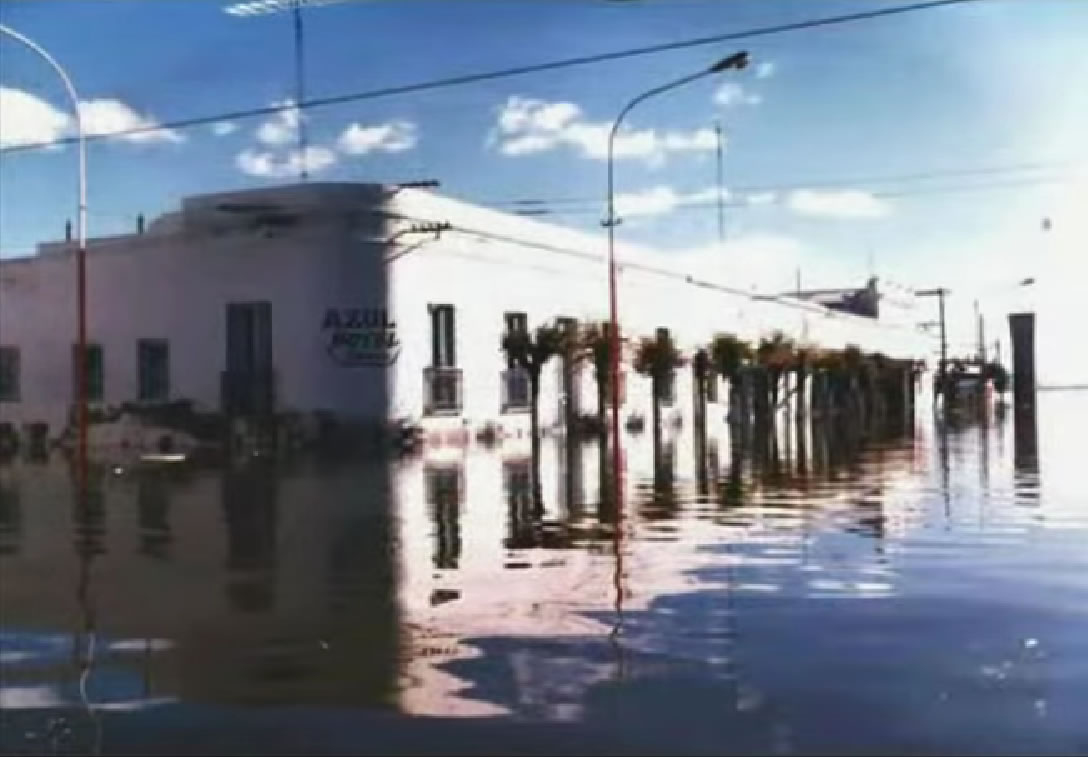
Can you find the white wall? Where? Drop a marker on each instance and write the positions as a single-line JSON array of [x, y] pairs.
[[176, 285], [175, 281]]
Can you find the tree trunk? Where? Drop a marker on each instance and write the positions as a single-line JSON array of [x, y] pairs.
[[734, 401], [656, 410], [801, 381], [602, 405], [534, 428]]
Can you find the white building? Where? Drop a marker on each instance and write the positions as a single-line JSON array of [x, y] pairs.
[[366, 302]]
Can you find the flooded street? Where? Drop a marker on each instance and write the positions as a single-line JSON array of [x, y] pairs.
[[921, 592]]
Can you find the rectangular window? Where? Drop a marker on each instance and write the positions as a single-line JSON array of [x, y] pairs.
[[515, 390], [516, 322], [94, 372], [153, 369], [443, 354], [9, 374], [249, 337]]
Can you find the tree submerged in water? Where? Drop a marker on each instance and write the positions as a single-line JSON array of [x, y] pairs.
[[531, 351], [594, 344], [730, 357], [658, 358]]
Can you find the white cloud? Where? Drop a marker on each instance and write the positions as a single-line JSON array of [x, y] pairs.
[[757, 199], [847, 203], [267, 164], [104, 117], [526, 125], [765, 262], [732, 93], [281, 128], [765, 70], [28, 120], [662, 199], [394, 136], [223, 128]]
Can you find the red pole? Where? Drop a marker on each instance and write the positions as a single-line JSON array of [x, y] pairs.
[[617, 452], [81, 365]]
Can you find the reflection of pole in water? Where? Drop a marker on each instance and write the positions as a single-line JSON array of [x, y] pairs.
[[90, 514], [1026, 453], [942, 451]]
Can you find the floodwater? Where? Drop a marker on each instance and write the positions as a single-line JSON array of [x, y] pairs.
[[925, 592]]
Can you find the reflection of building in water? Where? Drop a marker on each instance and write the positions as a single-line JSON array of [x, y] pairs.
[[250, 512], [523, 522], [428, 580], [308, 615], [153, 501], [89, 515], [11, 516], [444, 487]]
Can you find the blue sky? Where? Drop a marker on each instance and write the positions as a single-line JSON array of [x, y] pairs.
[[810, 127]]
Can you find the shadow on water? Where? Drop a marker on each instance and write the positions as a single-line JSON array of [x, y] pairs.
[[796, 587]]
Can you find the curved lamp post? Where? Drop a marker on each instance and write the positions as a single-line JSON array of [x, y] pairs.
[[736, 61], [81, 251]]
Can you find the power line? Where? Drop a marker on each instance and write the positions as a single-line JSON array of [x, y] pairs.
[[515, 71], [854, 181], [582, 209]]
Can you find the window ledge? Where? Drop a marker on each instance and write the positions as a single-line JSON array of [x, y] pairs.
[[442, 412]]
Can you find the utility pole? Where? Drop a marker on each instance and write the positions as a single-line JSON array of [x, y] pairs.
[[981, 338], [721, 188], [942, 368]]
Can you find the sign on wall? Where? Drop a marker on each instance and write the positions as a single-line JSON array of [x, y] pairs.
[[360, 336]]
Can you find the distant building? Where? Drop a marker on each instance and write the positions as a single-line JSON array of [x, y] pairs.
[[360, 302], [868, 301]]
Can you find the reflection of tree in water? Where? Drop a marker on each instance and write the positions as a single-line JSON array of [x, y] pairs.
[[524, 512], [444, 486], [251, 513], [11, 519], [663, 504], [870, 520], [731, 490]]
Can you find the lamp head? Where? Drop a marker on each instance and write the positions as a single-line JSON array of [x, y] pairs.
[[737, 60]]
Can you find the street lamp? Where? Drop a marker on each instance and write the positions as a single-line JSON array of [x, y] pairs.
[[737, 61], [81, 250]]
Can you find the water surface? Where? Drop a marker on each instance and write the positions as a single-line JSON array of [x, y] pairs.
[[818, 592]]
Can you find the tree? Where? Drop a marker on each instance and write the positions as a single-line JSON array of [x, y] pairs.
[[595, 345], [658, 358], [530, 352], [803, 359], [730, 357], [775, 357], [853, 360]]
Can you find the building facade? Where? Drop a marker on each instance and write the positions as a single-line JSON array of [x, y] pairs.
[[366, 303]]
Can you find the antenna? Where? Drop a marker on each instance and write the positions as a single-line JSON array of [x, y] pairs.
[[721, 206], [265, 7], [300, 90]]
